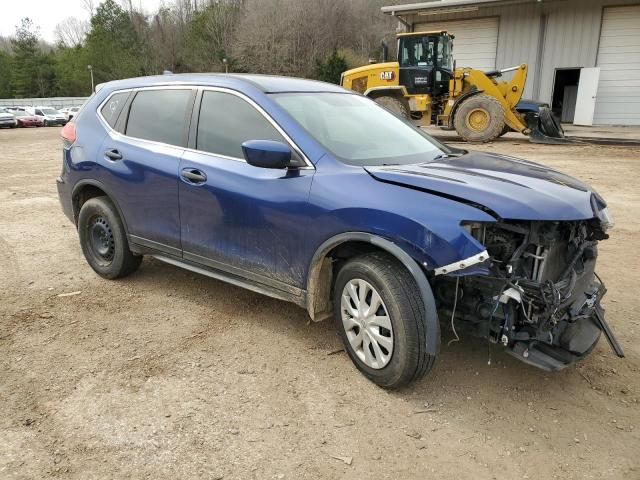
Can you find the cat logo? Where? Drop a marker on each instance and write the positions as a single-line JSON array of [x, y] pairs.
[[388, 76]]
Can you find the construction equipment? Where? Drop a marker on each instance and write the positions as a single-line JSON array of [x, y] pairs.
[[424, 84]]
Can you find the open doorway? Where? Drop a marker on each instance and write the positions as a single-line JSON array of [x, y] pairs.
[[565, 92]]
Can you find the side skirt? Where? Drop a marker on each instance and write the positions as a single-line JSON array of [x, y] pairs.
[[254, 286]]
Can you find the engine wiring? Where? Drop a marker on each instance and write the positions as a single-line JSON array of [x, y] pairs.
[[453, 315]]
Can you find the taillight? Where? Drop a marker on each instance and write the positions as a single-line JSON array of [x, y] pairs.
[[68, 134]]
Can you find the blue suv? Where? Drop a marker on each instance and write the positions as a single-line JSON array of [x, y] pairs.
[[312, 194]]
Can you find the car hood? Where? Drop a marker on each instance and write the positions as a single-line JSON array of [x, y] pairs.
[[5, 116], [509, 187]]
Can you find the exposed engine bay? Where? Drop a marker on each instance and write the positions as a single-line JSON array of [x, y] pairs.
[[540, 296]]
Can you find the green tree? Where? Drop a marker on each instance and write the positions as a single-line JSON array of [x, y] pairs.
[[72, 75], [113, 47], [331, 68], [27, 78], [5, 75]]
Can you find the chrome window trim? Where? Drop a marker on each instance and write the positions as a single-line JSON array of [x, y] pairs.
[[250, 101]]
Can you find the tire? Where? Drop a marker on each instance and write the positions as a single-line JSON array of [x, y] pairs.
[[401, 358], [397, 106], [548, 123], [46, 123], [479, 119], [104, 241]]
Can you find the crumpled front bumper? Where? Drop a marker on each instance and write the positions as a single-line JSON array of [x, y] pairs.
[[575, 341]]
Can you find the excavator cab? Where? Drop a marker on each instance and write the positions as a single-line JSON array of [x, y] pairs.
[[425, 62]]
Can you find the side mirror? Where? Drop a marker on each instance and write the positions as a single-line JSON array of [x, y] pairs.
[[266, 153]]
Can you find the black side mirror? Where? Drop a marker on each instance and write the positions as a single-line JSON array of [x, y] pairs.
[[266, 153]]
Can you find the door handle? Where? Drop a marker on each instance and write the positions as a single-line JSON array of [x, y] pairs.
[[113, 154], [193, 175]]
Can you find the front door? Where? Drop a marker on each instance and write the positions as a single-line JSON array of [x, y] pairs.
[[235, 217]]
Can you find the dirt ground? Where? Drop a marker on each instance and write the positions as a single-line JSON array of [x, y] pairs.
[[167, 374]]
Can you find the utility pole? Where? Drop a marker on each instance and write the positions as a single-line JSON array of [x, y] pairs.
[[90, 68]]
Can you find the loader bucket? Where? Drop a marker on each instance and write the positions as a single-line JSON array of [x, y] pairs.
[[543, 126]]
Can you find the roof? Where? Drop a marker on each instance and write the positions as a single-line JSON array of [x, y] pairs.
[[410, 8], [265, 83], [420, 34]]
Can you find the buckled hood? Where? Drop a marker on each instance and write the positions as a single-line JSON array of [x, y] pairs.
[[510, 188]]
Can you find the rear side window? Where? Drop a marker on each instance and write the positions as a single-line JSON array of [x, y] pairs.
[[110, 111], [159, 115], [227, 121]]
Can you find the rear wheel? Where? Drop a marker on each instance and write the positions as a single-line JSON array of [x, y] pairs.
[[479, 119], [380, 317], [396, 105], [104, 241]]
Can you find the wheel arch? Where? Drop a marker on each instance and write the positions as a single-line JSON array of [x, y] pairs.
[[396, 91], [87, 189], [320, 279], [458, 102]]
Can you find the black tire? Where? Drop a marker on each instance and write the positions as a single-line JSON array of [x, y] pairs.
[[46, 123], [396, 105], [479, 118], [548, 123], [401, 298], [104, 241], [505, 130]]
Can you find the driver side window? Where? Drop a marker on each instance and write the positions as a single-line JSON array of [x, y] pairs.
[[227, 121]]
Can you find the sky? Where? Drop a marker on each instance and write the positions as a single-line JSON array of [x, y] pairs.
[[48, 13]]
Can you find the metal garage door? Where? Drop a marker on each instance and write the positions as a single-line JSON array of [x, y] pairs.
[[618, 98], [476, 40]]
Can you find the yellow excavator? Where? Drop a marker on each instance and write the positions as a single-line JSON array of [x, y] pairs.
[[425, 85]]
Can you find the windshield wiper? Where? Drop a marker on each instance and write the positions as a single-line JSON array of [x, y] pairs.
[[441, 156]]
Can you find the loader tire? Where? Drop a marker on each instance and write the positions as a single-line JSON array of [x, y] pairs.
[[479, 119], [548, 123], [396, 105]]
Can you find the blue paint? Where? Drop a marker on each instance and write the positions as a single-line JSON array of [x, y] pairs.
[[271, 221]]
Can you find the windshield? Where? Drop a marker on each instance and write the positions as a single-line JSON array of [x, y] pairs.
[[416, 51], [50, 111], [357, 131]]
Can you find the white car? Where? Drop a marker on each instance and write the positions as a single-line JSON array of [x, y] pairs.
[[48, 115], [70, 112], [7, 119]]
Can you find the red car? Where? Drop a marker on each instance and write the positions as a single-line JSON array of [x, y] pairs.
[[26, 120]]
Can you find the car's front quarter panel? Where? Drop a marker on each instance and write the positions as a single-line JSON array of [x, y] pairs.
[[427, 227]]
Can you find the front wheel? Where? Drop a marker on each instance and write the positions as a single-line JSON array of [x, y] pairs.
[[396, 105], [380, 317], [479, 119], [104, 241]]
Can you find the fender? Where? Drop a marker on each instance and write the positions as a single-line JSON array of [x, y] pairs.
[[95, 183], [401, 89], [457, 103], [432, 323]]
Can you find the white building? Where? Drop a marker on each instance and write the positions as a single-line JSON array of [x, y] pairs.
[[583, 55]]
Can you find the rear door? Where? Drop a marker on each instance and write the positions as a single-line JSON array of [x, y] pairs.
[[141, 154], [242, 219]]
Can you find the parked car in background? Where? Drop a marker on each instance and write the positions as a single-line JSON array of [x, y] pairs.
[[70, 112], [24, 119], [49, 116], [309, 193], [7, 119]]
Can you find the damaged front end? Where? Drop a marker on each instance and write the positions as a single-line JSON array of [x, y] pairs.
[[538, 295]]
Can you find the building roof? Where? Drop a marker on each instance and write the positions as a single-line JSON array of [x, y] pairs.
[[411, 8]]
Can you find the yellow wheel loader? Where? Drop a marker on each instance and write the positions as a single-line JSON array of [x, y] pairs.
[[424, 84]]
